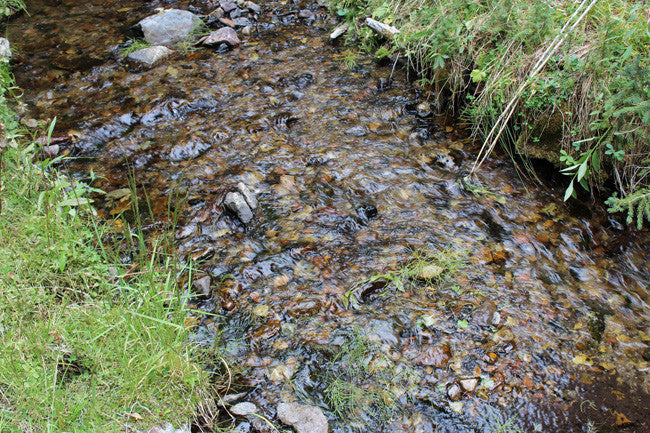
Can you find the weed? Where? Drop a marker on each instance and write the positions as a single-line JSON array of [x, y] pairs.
[[133, 46], [537, 77], [189, 42], [359, 381], [438, 269]]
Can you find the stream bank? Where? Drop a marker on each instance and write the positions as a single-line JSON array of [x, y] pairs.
[[530, 315]]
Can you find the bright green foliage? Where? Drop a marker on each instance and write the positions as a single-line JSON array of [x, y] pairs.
[[9, 7], [591, 100]]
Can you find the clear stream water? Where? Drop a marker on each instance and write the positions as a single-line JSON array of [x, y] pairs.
[[550, 313]]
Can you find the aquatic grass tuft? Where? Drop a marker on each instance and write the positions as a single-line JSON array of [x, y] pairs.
[[358, 381], [438, 269], [133, 46]]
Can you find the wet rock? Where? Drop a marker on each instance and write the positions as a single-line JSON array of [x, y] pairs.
[[51, 151], [225, 35], [381, 331], [469, 385], [202, 286], [503, 335], [423, 110], [244, 408], [383, 84], [242, 22], [357, 131], [306, 14], [338, 31], [248, 195], [304, 307], [168, 27], [434, 355], [149, 56], [454, 392], [367, 212], [194, 148], [228, 7], [305, 419], [5, 49], [253, 7], [486, 314], [646, 354], [237, 205]]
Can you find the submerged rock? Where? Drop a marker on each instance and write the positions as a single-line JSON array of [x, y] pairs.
[[486, 314], [194, 148], [168, 27], [305, 419], [150, 55], [202, 285], [434, 355]]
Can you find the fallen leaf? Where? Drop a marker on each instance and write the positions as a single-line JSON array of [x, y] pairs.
[[621, 419], [135, 415], [582, 359]]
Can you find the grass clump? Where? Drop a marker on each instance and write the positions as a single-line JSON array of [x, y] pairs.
[[359, 380], [436, 269], [133, 46], [573, 76], [86, 343]]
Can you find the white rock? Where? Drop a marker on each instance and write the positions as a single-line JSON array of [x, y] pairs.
[[5, 49]]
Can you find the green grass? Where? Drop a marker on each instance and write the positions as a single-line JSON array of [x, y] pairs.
[[133, 46], [590, 98], [358, 381], [9, 7], [86, 343], [438, 269]]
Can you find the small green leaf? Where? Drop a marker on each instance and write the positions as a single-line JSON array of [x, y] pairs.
[[582, 170], [477, 75], [462, 324], [595, 161], [569, 191]]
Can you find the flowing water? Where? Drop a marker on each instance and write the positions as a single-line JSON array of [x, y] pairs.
[[549, 312]]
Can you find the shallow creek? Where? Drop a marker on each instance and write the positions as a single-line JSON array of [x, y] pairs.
[[550, 313]]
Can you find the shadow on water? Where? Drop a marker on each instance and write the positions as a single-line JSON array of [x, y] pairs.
[[545, 327]]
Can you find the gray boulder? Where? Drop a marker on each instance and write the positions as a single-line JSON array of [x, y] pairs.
[[168, 27], [149, 56], [305, 419]]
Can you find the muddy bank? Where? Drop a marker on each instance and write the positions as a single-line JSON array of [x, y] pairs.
[[532, 314]]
